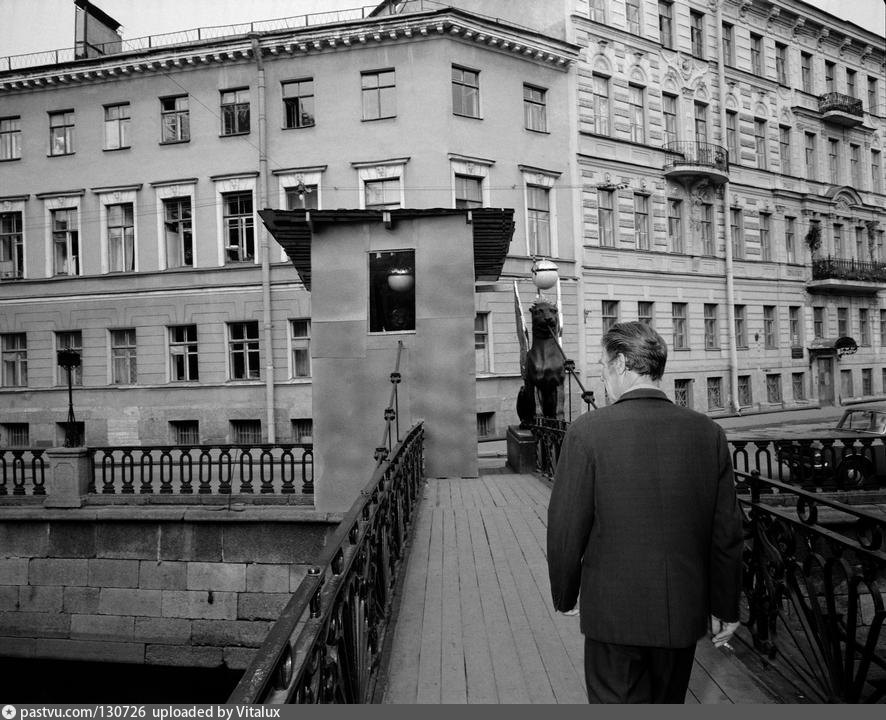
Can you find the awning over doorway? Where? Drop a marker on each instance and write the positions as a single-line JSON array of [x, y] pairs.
[[839, 346]]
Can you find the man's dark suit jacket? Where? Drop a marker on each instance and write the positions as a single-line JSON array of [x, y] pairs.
[[644, 520]]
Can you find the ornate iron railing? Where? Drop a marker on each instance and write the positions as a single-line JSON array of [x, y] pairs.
[[814, 593], [325, 647], [283, 469], [828, 268], [548, 434], [22, 471], [688, 152], [392, 411], [834, 101]]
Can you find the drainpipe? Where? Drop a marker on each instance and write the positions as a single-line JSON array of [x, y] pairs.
[[264, 245], [730, 280]]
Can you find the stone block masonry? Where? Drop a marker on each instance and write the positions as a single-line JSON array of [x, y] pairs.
[[168, 586]]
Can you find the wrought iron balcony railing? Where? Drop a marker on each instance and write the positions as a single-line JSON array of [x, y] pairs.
[[701, 154], [828, 268], [838, 102]]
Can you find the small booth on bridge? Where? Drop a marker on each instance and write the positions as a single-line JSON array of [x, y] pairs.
[[378, 278]]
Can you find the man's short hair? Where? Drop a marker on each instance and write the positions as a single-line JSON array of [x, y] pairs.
[[645, 351]]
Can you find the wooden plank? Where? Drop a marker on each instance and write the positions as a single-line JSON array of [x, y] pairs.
[[402, 674], [511, 687], [491, 484], [477, 659], [703, 687], [730, 674], [453, 684], [429, 670]]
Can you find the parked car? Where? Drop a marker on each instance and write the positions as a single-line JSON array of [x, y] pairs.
[[852, 455]]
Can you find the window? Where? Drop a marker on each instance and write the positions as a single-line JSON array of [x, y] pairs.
[[666, 23], [302, 197], [597, 11], [465, 92], [872, 95], [381, 194], [468, 191], [846, 389], [637, 112], [481, 342], [124, 369], [757, 54], [12, 255], [10, 138], [243, 350], [876, 173], [65, 242], [855, 164], [379, 94], [798, 383], [683, 392], [609, 314], [810, 156], [641, 221], [829, 76], [246, 432], [765, 237], [606, 217], [732, 136], [175, 123], [61, 132], [675, 225], [300, 344], [117, 126], [69, 340], [701, 122], [15, 435], [238, 225], [485, 424], [303, 430], [121, 238], [818, 322], [796, 327], [806, 71], [770, 327], [715, 393], [773, 387], [711, 328], [600, 104], [736, 232], [760, 142], [839, 249], [790, 242], [680, 339], [177, 229], [859, 244], [632, 14], [864, 327], [728, 44], [784, 148], [669, 111], [883, 331], [833, 159], [745, 396], [867, 381], [535, 112], [781, 63], [392, 291], [538, 213], [741, 327], [183, 353], [851, 83], [696, 31], [235, 111], [645, 312], [185, 432], [842, 321], [14, 348], [706, 228], [298, 103]]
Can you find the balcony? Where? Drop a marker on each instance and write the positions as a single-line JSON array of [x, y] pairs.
[[839, 109], [690, 161], [840, 276]]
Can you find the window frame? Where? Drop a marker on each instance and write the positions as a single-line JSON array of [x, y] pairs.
[[637, 113], [666, 23], [766, 237], [465, 94], [483, 342], [711, 326], [10, 138], [117, 129], [61, 134], [183, 353], [675, 225], [240, 224], [71, 238], [680, 326], [69, 340], [741, 326], [244, 352], [697, 33], [770, 327], [123, 356], [120, 236], [643, 239], [535, 108], [14, 360], [376, 97], [300, 347], [175, 119], [235, 112], [12, 244], [294, 105]]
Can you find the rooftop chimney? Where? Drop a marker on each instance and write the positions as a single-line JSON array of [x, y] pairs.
[[95, 32]]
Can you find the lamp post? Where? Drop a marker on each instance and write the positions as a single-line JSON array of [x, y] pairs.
[[69, 359]]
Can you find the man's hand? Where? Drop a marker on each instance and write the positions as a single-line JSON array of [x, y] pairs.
[[722, 632]]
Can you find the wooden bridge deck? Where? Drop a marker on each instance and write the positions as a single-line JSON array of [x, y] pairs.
[[475, 622]]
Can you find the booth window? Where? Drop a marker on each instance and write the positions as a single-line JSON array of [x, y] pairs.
[[392, 291]]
